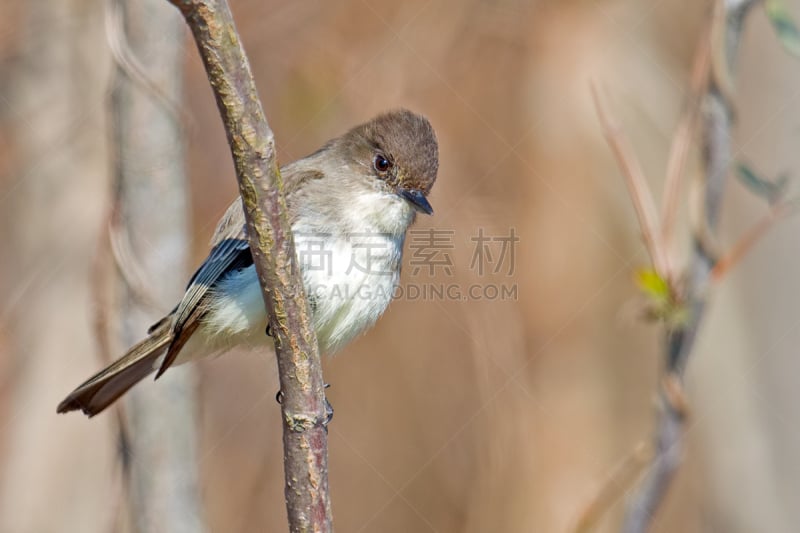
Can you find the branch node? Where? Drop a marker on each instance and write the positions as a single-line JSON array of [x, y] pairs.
[[675, 395]]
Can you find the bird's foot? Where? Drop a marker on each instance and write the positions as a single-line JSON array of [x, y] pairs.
[[328, 407]]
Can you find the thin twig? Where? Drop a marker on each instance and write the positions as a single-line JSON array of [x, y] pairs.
[[682, 140], [99, 293], [639, 191], [127, 63], [128, 266], [102, 310], [622, 477], [680, 342], [750, 238], [261, 188]]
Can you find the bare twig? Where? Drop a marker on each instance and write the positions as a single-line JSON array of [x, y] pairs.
[[621, 479], [127, 62], [99, 277], [127, 264], [261, 188], [680, 342], [102, 310], [682, 140], [750, 238], [640, 193]]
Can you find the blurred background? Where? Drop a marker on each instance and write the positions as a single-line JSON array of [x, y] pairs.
[[452, 415]]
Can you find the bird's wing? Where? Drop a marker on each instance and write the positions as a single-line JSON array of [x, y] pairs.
[[229, 247], [230, 251]]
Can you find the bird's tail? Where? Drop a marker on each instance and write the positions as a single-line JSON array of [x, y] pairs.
[[102, 389]]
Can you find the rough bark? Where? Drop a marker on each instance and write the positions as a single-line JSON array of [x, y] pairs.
[[253, 150]]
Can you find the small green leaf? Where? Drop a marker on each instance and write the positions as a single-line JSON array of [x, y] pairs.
[[662, 303], [652, 284], [785, 28], [771, 191]]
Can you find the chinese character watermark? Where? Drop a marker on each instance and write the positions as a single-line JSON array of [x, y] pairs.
[[369, 252], [497, 251], [430, 248]]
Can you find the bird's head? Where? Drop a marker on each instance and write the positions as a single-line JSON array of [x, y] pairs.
[[399, 149]]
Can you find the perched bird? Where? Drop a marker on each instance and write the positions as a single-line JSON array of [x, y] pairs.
[[350, 204]]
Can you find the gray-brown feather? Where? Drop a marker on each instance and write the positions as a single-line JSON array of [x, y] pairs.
[[100, 391]]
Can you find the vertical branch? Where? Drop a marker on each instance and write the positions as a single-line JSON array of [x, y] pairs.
[[253, 148], [718, 113], [150, 213]]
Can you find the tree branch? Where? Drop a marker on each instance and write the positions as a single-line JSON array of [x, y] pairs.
[[261, 188], [159, 436], [718, 116]]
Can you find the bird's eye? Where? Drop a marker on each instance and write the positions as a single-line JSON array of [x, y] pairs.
[[381, 163]]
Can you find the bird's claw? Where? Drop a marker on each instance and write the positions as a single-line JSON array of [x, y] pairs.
[[328, 406], [328, 410]]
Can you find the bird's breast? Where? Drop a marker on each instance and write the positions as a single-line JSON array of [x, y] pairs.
[[349, 279]]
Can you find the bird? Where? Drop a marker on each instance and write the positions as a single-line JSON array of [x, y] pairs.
[[350, 204]]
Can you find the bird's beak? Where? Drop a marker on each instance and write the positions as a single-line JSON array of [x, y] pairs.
[[417, 199]]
